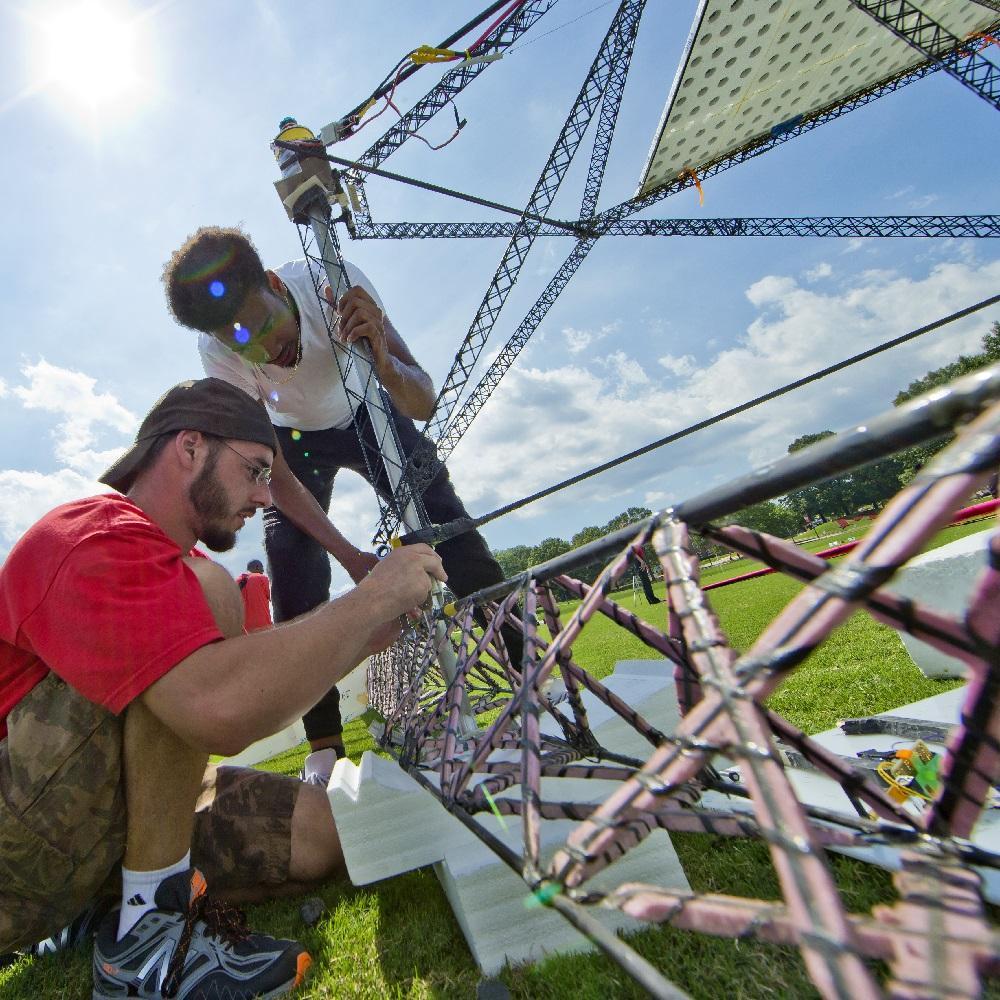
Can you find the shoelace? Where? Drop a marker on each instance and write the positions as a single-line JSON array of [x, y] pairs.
[[222, 921]]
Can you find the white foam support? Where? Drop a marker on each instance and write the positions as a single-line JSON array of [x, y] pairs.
[[814, 789], [388, 824], [942, 579], [353, 702], [270, 746]]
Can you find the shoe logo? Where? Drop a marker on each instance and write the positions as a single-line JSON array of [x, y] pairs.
[[161, 956], [136, 900]]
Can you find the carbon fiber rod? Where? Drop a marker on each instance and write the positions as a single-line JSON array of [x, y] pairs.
[[919, 420]]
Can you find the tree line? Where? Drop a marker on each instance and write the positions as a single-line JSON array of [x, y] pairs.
[[864, 489]]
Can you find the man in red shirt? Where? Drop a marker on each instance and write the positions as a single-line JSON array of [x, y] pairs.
[[256, 591], [123, 665]]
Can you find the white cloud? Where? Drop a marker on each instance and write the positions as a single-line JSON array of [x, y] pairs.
[[821, 270], [855, 244], [656, 500], [545, 425], [681, 367], [71, 395], [914, 202], [770, 289], [577, 340], [581, 340], [627, 371], [24, 496]]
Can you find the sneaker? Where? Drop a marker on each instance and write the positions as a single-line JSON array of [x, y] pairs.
[[193, 947], [318, 766], [78, 931]]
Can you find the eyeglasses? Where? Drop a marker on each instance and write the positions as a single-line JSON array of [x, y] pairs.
[[260, 475]]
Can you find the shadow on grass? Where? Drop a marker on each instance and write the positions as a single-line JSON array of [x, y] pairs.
[[51, 977]]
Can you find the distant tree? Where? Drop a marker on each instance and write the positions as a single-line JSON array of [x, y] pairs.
[[871, 485], [514, 560], [584, 535], [913, 459], [826, 499], [962, 365], [877, 482], [773, 518], [591, 533], [627, 517], [807, 439], [547, 549]]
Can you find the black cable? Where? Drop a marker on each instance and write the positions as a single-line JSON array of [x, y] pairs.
[[466, 524], [390, 80], [575, 228]]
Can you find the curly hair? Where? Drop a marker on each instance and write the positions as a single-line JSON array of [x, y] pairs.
[[208, 277]]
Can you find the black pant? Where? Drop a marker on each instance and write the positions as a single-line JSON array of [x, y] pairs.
[[647, 586], [300, 568]]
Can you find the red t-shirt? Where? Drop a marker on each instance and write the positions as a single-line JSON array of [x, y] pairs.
[[256, 591], [98, 594]]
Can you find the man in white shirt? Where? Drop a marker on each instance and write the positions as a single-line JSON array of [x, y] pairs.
[[264, 331]]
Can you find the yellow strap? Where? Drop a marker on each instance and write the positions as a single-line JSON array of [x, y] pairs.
[[396, 542], [428, 54], [366, 109]]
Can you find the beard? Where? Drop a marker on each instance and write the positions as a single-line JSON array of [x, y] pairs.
[[212, 504]]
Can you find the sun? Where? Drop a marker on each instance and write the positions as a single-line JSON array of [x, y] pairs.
[[91, 53]]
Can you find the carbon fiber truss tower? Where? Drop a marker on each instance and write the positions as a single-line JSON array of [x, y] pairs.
[[603, 88], [721, 765]]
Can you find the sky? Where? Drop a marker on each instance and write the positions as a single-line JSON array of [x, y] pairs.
[[130, 124]]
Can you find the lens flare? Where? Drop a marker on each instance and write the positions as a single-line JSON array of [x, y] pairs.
[[94, 54], [217, 288], [240, 333]]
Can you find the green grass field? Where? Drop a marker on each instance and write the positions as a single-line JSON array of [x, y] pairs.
[[399, 938]]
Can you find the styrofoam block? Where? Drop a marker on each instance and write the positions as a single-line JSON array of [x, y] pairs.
[[942, 579], [386, 822], [492, 903], [646, 685], [354, 692], [270, 746], [389, 824], [815, 789]]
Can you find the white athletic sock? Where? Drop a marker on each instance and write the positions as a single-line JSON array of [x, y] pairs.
[[139, 892], [318, 765]]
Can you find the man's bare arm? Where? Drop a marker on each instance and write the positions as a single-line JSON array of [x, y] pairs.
[[407, 383], [228, 694], [304, 511]]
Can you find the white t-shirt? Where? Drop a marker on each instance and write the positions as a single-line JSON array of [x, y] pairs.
[[314, 399]]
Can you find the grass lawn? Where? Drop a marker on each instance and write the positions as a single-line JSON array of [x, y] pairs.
[[399, 938]]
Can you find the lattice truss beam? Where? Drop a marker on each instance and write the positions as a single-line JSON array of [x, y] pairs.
[[859, 226], [542, 722], [931, 46], [957, 57], [543, 726]]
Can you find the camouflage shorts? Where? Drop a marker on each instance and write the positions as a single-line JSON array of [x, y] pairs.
[[62, 816]]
